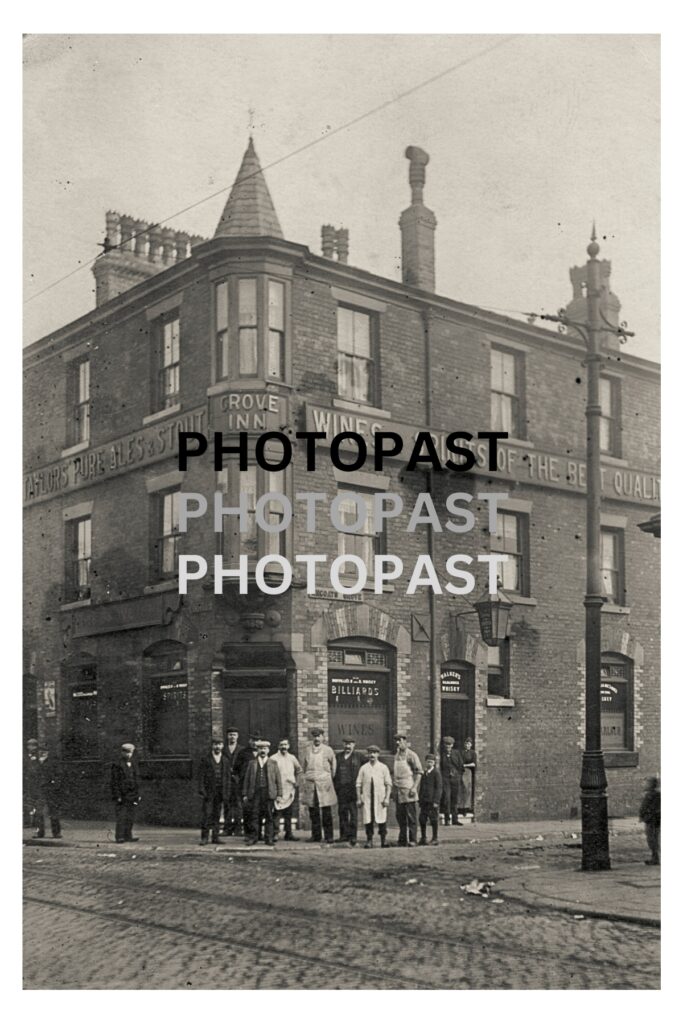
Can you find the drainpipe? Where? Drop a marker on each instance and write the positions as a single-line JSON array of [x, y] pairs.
[[435, 686]]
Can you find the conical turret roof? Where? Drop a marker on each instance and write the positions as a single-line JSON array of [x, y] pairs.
[[249, 210]]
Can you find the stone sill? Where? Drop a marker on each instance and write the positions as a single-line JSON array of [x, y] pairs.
[[161, 414], [500, 702], [158, 588], [74, 449], [75, 604], [246, 384], [615, 609], [621, 758], [528, 602], [613, 460], [360, 409]]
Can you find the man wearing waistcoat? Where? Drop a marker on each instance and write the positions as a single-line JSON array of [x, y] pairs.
[[262, 786], [348, 766], [214, 788], [406, 779]]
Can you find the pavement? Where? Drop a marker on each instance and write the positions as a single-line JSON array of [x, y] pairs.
[[629, 893]]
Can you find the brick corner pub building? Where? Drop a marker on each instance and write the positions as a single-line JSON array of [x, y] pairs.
[[249, 332]]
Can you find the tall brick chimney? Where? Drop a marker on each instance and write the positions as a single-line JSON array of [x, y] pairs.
[[418, 225]]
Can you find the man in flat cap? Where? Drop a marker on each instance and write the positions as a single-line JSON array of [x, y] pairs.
[[406, 778], [243, 759], [214, 784], [262, 786], [43, 789], [452, 768], [319, 766], [373, 792], [232, 804], [125, 793], [348, 765], [430, 796]]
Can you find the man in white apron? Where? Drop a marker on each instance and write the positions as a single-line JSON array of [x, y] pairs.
[[290, 770], [373, 789], [319, 765]]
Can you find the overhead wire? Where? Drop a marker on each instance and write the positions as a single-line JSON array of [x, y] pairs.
[[85, 262]]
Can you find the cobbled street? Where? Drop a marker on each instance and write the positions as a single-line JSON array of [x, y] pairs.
[[311, 917]]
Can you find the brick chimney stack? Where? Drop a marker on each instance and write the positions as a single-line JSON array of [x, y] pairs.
[[418, 225], [133, 251], [335, 241]]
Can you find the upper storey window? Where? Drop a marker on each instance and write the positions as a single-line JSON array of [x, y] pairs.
[[251, 333], [78, 397], [166, 361], [356, 355], [610, 416], [507, 392]]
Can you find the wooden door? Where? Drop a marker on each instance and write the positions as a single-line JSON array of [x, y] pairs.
[[257, 712]]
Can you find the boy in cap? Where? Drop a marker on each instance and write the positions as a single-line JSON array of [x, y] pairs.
[[125, 793], [262, 786], [373, 791], [430, 796]]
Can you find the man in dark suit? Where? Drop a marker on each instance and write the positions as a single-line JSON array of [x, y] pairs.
[[214, 784], [262, 786], [348, 766], [43, 789], [125, 793], [452, 768], [232, 804], [242, 761]]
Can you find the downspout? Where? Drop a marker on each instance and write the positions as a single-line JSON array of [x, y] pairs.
[[435, 687]]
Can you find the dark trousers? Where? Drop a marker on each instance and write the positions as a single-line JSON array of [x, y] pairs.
[[429, 813], [652, 834], [211, 815], [370, 828], [260, 807], [449, 800], [125, 816], [406, 815], [348, 815], [327, 827], [39, 819], [233, 813]]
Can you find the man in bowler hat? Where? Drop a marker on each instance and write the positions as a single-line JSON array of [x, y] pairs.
[[214, 789]]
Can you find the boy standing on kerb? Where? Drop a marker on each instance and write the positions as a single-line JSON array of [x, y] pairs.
[[430, 797], [651, 815]]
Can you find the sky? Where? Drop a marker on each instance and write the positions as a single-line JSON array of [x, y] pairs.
[[530, 138]]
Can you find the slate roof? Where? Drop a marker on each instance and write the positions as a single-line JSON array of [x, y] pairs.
[[249, 211]]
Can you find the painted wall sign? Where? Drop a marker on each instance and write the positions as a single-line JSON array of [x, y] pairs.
[[252, 411], [154, 442], [358, 707], [515, 462], [50, 698]]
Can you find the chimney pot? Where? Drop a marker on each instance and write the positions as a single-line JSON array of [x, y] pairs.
[[327, 233]]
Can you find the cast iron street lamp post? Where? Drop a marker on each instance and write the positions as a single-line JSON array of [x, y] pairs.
[[594, 827]]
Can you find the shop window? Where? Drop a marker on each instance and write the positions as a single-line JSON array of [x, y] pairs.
[[357, 355], [166, 361], [250, 328], [612, 566], [365, 543], [616, 704], [498, 677], [165, 721], [361, 692], [82, 739], [78, 400], [78, 558], [165, 534], [507, 392], [512, 539], [610, 416], [253, 483]]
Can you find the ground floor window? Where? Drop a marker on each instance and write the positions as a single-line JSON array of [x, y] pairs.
[[616, 711], [165, 708], [361, 693]]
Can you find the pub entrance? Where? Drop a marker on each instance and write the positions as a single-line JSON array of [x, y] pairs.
[[255, 686], [360, 692], [457, 702]]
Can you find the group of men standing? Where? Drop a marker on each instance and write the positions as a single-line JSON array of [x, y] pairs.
[[254, 789]]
